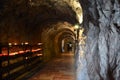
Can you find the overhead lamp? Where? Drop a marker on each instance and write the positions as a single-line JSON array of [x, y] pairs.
[[76, 26]]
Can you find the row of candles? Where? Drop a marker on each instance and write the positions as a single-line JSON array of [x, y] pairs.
[[25, 43], [5, 52], [21, 52]]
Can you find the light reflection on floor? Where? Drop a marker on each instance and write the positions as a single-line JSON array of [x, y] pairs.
[[61, 68]]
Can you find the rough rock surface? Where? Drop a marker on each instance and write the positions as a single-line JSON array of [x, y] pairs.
[[101, 59]]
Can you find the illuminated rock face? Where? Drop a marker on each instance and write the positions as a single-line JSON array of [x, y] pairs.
[[101, 60]]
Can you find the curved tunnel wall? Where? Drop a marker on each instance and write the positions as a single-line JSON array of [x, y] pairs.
[[63, 41], [52, 38], [58, 38]]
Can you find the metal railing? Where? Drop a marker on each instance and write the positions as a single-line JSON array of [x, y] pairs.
[[17, 60]]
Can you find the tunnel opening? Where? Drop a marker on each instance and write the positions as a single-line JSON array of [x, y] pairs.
[[68, 38], [67, 46], [56, 36]]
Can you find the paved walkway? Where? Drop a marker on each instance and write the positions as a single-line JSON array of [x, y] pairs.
[[58, 69]]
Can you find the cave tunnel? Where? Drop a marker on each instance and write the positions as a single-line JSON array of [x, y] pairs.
[[60, 40]]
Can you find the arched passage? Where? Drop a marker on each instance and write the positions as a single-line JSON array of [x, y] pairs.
[[54, 36], [66, 34], [66, 42]]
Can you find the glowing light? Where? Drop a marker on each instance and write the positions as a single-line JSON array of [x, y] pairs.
[[15, 43], [35, 50], [76, 26], [26, 43], [22, 43], [3, 54], [39, 43], [9, 44], [80, 18], [14, 53], [27, 51], [21, 52], [39, 54], [26, 57]]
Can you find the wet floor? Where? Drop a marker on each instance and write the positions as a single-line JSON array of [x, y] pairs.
[[61, 68]]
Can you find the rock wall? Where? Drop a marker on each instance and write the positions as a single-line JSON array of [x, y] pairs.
[[101, 60]]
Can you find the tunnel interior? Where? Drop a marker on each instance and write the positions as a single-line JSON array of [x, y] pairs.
[[88, 28], [42, 29], [48, 22], [58, 39]]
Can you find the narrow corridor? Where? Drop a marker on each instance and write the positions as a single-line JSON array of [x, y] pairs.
[[61, 68]]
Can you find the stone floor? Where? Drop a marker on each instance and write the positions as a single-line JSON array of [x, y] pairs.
[[61, 68]]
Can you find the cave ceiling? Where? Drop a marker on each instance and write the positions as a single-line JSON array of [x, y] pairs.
[[38, 12]]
